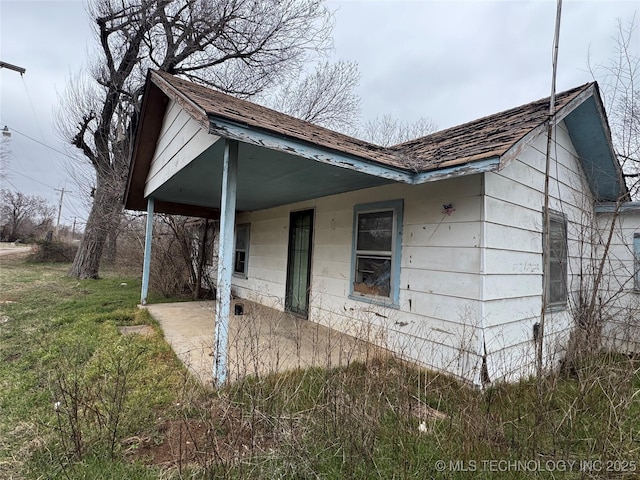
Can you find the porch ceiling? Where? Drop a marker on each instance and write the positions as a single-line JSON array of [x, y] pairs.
[[266, 178]]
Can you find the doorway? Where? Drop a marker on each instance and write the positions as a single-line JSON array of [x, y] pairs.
[[299, 262]]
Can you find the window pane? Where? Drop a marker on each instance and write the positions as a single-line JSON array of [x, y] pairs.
[[375, 231], [240, 261], [557, 284], [556, 277], [557, 292], [557, 241], [241, 238], [373, 275]]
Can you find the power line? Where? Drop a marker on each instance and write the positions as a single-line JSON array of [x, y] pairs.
[[30, 178], [5, 179], [42, 143], [33, 110]]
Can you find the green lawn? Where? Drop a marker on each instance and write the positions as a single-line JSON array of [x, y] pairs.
[[80, 400]]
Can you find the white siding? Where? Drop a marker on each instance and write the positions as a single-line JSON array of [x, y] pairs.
[[621, 301], [471, 283], [440, 286], [181, 140], [512, 254]]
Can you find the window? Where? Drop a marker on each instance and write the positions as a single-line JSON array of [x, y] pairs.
[[241, 252], [376, 257], [636, 262], [556, 277]]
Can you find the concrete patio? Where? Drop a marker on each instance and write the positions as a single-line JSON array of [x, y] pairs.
[[261, 341]]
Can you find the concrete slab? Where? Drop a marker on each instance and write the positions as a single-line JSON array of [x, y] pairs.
[[261, 341]]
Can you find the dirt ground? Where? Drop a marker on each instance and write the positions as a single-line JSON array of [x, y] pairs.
[[10, 249]]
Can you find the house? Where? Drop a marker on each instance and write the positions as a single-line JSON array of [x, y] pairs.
[[432, 248], [619, 299]]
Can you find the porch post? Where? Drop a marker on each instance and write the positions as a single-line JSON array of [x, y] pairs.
[[146, 265], [225, 259]]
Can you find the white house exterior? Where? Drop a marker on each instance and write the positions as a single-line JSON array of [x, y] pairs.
[[432, 249], [620, 292]]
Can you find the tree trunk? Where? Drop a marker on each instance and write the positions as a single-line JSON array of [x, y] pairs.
[[202, 256], [110, 251], [107, 206]]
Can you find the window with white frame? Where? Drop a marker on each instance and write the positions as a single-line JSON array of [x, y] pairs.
[[556, 277], [636, 261], [376, 256], [241, 252]]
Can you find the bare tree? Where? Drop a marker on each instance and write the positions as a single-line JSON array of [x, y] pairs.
[[240, 47], [325, 97], [387, 130], [619, 80], [5, 154], [24, 215]]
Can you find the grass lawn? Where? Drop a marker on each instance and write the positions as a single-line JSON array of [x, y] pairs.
[[80, 400]]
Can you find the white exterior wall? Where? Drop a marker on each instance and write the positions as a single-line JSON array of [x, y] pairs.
[[512, 256], [180, 141], [469, 282], [440, 286], [621, 302]]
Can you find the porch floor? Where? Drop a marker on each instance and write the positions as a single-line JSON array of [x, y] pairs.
[[261, 341]]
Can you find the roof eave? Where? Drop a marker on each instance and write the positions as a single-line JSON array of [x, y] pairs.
[[612, 207], [154, 104], [590, 91], [190, 106], [264, 138], [490, 164]]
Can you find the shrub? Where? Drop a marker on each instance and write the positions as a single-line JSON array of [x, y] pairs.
[[53, 251]]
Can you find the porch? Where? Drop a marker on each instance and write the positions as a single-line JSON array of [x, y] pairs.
[[262, 340]]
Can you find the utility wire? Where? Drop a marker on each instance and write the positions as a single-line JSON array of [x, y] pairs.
[[33, 110], [41, 143], [5, 179], [30, 178]]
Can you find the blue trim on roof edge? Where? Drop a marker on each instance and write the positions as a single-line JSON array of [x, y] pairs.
[[611, 207]]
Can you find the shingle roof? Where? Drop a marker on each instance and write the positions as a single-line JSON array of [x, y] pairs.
[[250, 114], [486, 137]]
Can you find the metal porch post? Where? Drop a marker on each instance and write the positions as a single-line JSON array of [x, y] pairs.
[[146, 265], [225, 259]]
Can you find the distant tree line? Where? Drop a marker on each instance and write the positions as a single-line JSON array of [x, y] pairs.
[[24, 217]]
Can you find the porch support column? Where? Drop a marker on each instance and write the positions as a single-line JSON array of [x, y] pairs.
[[146, 265], [225, 259]]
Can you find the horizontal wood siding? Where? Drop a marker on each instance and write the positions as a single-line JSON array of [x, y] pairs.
[[469, 280], [440, 287], [621, 301], [267, 268], [181, 140], [512, 253]]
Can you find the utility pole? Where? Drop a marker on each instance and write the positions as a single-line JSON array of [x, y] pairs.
[[60, 208], [15, 68], [546, 262], [73, 231]]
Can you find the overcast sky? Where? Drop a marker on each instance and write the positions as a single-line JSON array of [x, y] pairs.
[[448, 61]]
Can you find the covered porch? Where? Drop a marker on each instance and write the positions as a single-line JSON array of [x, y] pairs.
[[262, 340], [200, 153]]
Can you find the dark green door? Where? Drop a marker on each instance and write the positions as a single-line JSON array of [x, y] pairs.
[[299, 262]]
